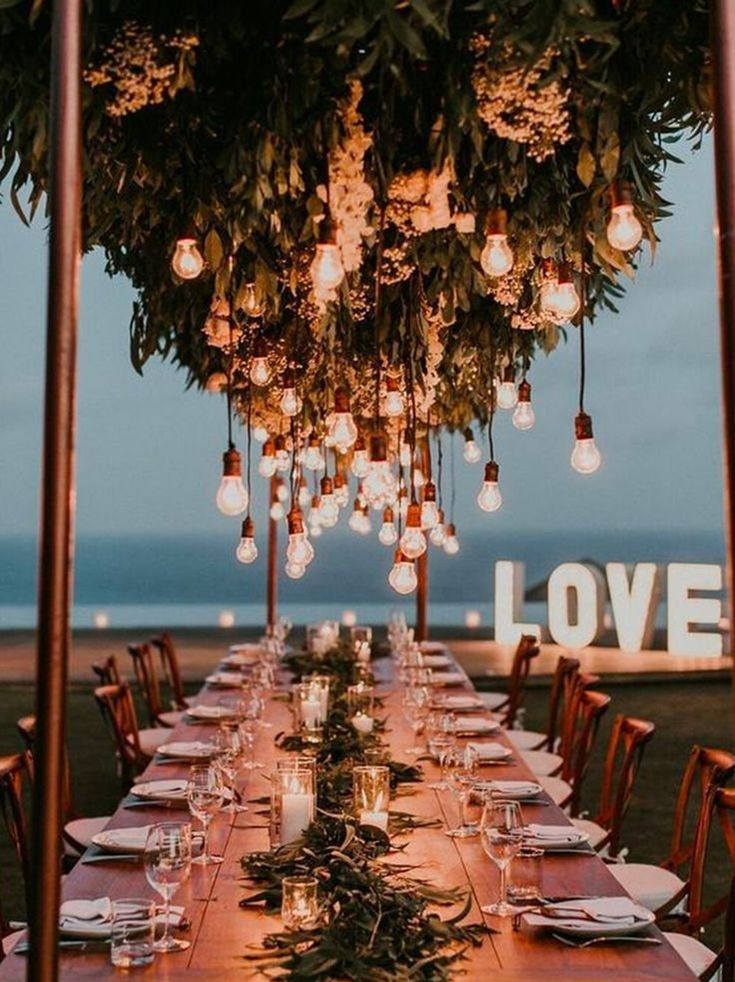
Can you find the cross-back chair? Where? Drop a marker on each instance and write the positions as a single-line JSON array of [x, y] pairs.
[[508, 703], [107, 671], [548, 763], [665, 888], [16, 773], [78, 830], [164, 643], [628, 740], [563, 679], [134, 747], [146, 676]]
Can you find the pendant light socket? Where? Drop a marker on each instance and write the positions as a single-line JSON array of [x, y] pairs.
[[492, 470], [509, 374], [327, 229], [583, 427], [496, 222], [378, 448], [392, 383], [451, 529], [341, 401], [248, 528], [564, 272], [280, 444], [429, 491], [231, 463], [413, 516], [295, 522], [524, 391], [387, 514], [621, 193], [326, 485]]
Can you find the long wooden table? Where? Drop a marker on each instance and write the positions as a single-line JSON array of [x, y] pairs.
[[222, 933]]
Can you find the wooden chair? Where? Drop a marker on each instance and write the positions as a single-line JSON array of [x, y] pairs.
[[508, 703], [550, 763], [148, 687], [78, 830], [704, 963], [107, 671], [587, 709], [134, 747], [16, 772], [628, 740], [171, 670], [665, 888], [564, 676]]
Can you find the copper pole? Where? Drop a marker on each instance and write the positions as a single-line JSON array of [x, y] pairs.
[[58, 487], [723, 51], [272, 586], [422, 568]]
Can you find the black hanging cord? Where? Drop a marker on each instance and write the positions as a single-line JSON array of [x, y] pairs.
[[491, 417], [378, 298], [439, 464], [453, 480], [583, 300], [231, 359], [250, 443]]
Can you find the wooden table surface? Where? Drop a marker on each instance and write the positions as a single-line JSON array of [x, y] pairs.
[[221, 932]]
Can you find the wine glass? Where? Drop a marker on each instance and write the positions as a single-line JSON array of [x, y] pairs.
[[167, 861], [205, 795], [415, 711], [248, 732], [462, 770], [227, 759], [441, 743], [501, 829]]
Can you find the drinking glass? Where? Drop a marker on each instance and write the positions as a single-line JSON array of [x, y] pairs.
[[526, 875], [228, 759], [167, 860], [205, 795], [360, 633], [462, 770], [248, 733], [131, 937], [441, 744], [501, 830], [415, 710]]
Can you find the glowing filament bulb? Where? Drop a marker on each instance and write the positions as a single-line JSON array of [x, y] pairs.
[[624, 231], [559, 298], [489, 497], [471, 450], [232, 495], [586, 458], [291, 402], [506, 392], [260, 373], [341, 490], [496, 258], [281, 490], [387, 535], [524, 417], [277, 511], [429, 510], [328, 507], [267, 462], [299, 551], [413, 540], [360, 459], [247, 551], [327, 271], [451, 543], [379, 486], [404, 454], [394, 404], [294, 571], [438, 534], [187, 261], [304, 496], [251, 303], [402, 576], [313, 456]]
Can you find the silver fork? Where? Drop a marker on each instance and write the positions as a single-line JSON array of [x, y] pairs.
[[605, 939]]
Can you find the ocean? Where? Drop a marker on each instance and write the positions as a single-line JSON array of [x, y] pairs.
[[190, 580]]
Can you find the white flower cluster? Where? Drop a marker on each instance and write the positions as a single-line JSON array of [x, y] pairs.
[[418, 202], [520, 103]]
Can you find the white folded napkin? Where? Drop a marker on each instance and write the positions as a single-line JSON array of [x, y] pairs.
[[462, 702], [476, 724], [163, 789], [233, 679], [186, 748], [448, 678], [208, 712], [436, 661], [490, 751], [617, 911], [84, 914], [130, 838], [555, 833], [433, 646], [520, 789]]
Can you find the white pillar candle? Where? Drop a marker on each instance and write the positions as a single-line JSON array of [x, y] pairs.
[[363, 723], [311, 710], [377, 819], [363, 653], [297, 811]]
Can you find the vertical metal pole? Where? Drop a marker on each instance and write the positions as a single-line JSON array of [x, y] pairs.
[[723, 50], [58, 489], [422, 568], [272, 559]]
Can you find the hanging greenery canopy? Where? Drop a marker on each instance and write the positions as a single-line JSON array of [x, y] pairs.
[[406, 125]]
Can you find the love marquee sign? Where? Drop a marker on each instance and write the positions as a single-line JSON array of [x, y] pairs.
[[576, 601]]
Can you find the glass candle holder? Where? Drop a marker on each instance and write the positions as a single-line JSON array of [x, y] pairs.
[[371, 795], [308, 712], [293, 803], [299, 904], [360, 634], [360, 707], [320, 685], [526, 871]]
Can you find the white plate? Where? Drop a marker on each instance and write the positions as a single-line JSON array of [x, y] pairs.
[[470, 725], [460, 703], [185, 750], [512, 790], [209, 714], [435, 646], [225, 680], [174, 790], [437, 661], [122, 840], [72, 928], [448, 678], [582, 927], [491, 753], [568, 838]]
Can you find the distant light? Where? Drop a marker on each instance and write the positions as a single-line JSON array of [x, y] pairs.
[[472, 618], [101, 619], [607, 621], [349, 618], [226, 618]]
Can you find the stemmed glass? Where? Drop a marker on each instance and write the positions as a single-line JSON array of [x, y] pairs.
[[167, 860], [248, 732], [463, 770], [205, 795], [441, 743], [501, 829], [415, 710], [227, 759]]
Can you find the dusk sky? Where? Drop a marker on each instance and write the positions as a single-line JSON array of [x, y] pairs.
[[149, 451]]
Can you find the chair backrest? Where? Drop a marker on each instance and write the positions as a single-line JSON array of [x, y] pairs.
[[26, 727], [706, 767], [118, 711], [525, 652], [15, 772], [170, 665], [628, 740], [107, 671], [591, 707], [565, 674], [572, 685], [147, 679]]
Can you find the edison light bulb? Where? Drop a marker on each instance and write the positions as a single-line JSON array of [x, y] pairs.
[[291, 402], [281, 491], [566, 302], [394, 405], [438, 534], [260, 433], [277, 511], [404, 454], [379, 486], [328, 507], [524, 417], [247, 551], [294, 571], [299, 550], [624, 231], [366, 526], [471, 451], [547, 296], [283, 461], [489, 497], [429, 511], [187, 261], [304, 493], [267, 462], [314, 519], [586, 458], [402, 576], [451, 543], [403, 502], [313, 456], [260, 373], [360, 460], [418, 478], [343, 431], [413, 540], [251, 304], [496, 258], [341, 490], [232, 495], [507, 394], [387, 535], [327, 271]]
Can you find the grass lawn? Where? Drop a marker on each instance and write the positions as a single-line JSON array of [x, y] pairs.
[[684, 713]]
